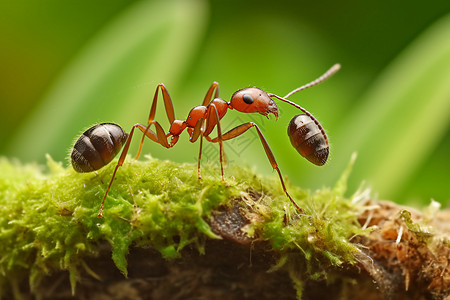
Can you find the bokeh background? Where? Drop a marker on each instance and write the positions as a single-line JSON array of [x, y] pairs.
[[66, 65]]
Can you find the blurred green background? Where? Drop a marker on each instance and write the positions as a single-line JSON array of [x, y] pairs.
[[66, 65]]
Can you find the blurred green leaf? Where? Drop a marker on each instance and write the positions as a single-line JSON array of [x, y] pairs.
[[398, 126], [111, 78], [404, 115]]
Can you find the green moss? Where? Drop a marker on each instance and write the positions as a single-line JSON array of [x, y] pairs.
[[316, 244], [49, 220]]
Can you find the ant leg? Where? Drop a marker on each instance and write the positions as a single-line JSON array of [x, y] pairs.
[[169, 106], [207, 99], [199, 173], [195, 134], [237, 131], [119, 163], [159, 137], [169, 110], [219, 136], [212, 119], [197, 131]]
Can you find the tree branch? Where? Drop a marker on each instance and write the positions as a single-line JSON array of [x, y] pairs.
[[170, 235]]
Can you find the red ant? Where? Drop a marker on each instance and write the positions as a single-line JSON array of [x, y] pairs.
[[98, 145]]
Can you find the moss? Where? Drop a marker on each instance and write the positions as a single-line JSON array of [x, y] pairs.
[[49, 219], [314, 245]]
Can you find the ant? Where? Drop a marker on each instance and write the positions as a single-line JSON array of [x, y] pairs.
[[98, 145]]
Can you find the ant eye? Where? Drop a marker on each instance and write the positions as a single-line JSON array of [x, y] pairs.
[[247, 99]]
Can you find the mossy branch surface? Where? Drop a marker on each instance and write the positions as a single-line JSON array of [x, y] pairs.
[[49, 219]]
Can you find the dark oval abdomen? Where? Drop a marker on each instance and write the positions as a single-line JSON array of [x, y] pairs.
[[97, 146], [309, 139]]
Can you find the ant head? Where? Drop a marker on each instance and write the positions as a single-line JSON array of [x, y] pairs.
[[253, 99]]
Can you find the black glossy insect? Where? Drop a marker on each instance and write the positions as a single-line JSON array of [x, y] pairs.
[[309, 138], [97, 146], [101, 143]]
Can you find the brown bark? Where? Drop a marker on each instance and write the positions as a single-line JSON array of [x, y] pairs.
[[405, 260], [396, 262]]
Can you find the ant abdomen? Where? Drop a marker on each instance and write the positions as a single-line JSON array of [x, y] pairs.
[[97, 146], [309, 138]]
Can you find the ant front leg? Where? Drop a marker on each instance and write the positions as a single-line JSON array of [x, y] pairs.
[[237, 131]]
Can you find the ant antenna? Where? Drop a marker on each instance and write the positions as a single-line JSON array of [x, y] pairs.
[[324, 77]]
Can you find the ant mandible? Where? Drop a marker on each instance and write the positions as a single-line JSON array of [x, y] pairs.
[[98, 145]]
